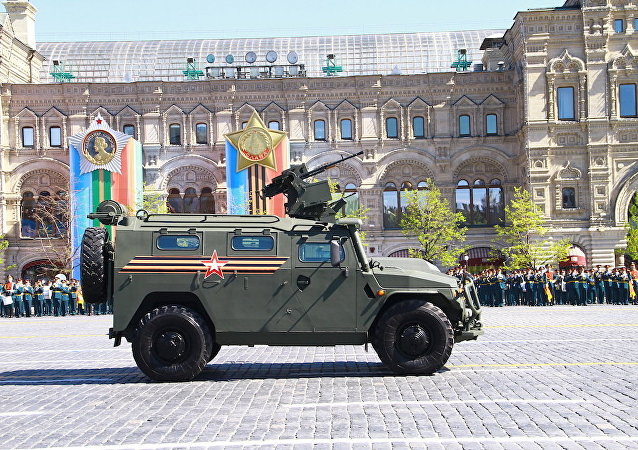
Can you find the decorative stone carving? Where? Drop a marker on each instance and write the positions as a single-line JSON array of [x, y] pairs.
[[568, 172]]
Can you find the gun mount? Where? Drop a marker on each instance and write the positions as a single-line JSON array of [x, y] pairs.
[[307, 200]]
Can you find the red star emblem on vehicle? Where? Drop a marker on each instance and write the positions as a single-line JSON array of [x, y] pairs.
[[99, 121], [214, 266]]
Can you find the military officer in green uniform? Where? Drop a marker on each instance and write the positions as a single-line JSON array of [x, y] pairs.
[[18, 292], [73, 296], [56, 295], [65, 302], [38, 299]]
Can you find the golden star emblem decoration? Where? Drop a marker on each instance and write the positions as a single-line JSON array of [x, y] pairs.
[[255, 144]]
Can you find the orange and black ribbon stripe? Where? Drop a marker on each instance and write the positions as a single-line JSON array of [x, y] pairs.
[[191, 264]]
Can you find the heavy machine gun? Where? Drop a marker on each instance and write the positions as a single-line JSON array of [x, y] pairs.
[[307, 200]]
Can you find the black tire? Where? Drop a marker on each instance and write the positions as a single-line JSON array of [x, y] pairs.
[[172, 343], [413, 337], [93, 264], [214, 351]]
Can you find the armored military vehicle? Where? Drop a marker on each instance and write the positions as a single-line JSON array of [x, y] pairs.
[[184, 285]]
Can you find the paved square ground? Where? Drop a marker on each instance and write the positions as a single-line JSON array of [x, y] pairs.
[[554, 377]]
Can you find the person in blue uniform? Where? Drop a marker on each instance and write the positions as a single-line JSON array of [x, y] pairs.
[[615, 286], [27, 297], [559, 287], [65, 302], [607, 279], [623, 286], [18, 305], [56, 296], [600, 285], [38, 299], [499, 288], [73, 297]]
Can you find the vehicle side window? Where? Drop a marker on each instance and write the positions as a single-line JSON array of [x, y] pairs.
[[317, 252], [177, 242], [259, 243]]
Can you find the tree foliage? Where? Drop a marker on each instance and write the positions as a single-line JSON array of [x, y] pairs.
[[523, 235], [352, 209], [428, 217], [632, 231]]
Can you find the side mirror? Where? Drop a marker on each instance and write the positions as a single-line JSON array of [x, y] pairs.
[[335, 252]]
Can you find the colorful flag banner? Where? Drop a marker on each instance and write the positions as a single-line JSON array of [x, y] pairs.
[[254, 156], [105, 165]]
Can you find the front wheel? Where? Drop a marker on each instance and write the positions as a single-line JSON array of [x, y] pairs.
[[414, 337], [172, 343]]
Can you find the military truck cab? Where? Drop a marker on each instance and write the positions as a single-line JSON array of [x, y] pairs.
[[183, 285]]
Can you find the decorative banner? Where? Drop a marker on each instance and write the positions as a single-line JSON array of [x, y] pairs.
[[105, 165], [254, 156]]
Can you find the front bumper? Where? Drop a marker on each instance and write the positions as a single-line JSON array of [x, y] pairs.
[[472, 326]]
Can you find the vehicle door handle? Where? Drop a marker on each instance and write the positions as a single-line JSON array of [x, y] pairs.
[[303, 282]]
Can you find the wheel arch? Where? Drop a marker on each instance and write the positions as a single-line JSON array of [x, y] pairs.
[[437, 300], [157, 299]]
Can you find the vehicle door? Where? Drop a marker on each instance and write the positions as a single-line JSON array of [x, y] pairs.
[[326, 293], [247, 280]]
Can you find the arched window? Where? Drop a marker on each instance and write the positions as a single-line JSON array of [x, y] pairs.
[[201, 133], [391, 128], [422, 185], [390, 207], [129, 129], [346, 129], [28, 225], [491, 125], [274, 125], [175, 203], [191, 201], [27, 137], [464, 125], [320, 130], [481, 204], [207, 201], [244, 124], [175, 134], [569, 197], [395, 202], [418, 127], [55, 136]]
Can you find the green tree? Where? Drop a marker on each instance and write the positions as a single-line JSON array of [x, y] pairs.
[[154, 202], [523, 232], [429, 218], [632, 229], [353, 208]]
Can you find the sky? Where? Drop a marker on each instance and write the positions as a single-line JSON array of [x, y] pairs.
[[86, 20]]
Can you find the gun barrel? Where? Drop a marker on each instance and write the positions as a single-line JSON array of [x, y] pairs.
[[325, 167]]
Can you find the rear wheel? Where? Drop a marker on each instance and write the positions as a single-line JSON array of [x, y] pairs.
[[172, 343], [413, 337]]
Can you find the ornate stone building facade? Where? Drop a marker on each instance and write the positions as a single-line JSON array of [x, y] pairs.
[[550, 109]]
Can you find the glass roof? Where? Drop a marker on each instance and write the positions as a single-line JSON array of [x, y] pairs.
[[405, 53]]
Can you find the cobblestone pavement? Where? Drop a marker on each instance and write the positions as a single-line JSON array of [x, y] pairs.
[[557, 377]]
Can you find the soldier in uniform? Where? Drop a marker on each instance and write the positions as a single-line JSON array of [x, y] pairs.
[[46, 294], [591, 288], [540, 287], [600, 284], [499, 288], [572, 290], [56, 295], [38, 299], [623, 286], [27, 297], [607, 280], [559, 287], [65, 302], [615, 286], [18, 292], [73, 296], [582, 284]]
